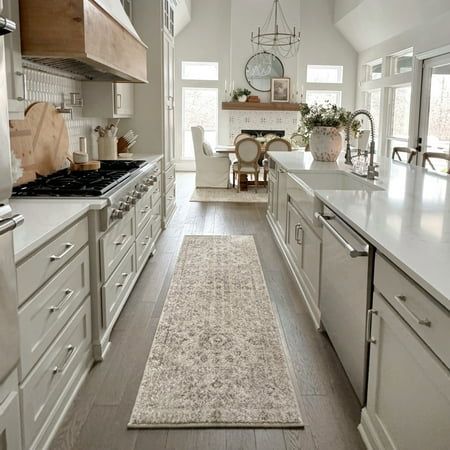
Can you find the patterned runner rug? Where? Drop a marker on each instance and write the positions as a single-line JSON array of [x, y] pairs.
[[217, 359]]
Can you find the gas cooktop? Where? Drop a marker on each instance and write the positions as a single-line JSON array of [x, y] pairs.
[[67, 183]]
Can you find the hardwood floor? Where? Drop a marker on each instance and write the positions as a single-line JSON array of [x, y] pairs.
[[99, 416]]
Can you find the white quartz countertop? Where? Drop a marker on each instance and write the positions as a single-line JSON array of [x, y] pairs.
[[408, 220], [45, 218]]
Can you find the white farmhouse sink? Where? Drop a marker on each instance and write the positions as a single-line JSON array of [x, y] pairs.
[[340, 181]]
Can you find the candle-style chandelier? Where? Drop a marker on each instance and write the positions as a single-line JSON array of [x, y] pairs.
[[275, 36]]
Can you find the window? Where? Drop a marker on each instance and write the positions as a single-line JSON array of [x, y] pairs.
[[207, 71], [400, 104], [321, 97], [374, 70], [200, 107], [373, 104], [401, 62], [324, 74]]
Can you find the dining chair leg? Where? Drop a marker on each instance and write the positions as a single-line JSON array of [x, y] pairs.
[[256, 181], [234, 174]]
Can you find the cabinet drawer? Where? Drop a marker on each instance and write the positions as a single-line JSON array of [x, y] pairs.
[[144, 244], [36, 270], [115, 243], [170, 177], [156, 226], [10, 423], [143, 212], [114, 291], [45, 315], [170, 200], [428, 319], [156, 191], [53, 374]]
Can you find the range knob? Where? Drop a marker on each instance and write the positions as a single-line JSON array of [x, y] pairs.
[[131, 200], [116, 214], [136, 194], [124, 206], [143, 187], [148, 182]]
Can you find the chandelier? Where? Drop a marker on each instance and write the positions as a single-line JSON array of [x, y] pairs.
[[275, 35]]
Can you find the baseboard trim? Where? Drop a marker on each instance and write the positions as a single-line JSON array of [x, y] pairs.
[[367, 432]]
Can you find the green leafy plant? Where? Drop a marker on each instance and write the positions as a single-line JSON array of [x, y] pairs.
[[240, 91], [325, 115]]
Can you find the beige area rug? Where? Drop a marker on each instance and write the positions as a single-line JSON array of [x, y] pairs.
[[229, 195], [217, 359]]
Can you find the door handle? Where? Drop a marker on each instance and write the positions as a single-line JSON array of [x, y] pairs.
[[6, 26], [119, 101], [352, 251], [68, 247], [10, 224], [298, 228], [370, 314]]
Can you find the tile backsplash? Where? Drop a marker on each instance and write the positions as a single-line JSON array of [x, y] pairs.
[[47, 85], [263, 120]]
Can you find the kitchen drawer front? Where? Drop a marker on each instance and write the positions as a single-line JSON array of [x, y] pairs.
[[117, 286], [156, 226], [144, 244], [170, 177], [428, 319], [143, 212], [10, 423], [170, 200], [35, 271], [116, 243], [42, 389], [43, 317], [156, 191]]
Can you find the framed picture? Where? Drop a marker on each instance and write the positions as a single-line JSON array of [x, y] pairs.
[[280, 91]]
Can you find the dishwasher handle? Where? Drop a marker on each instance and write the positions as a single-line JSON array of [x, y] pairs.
[[351, 250]]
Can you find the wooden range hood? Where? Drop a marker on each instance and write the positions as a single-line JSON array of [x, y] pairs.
[[81, 37]]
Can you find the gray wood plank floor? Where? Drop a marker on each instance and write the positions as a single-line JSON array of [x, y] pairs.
[[98, 417]]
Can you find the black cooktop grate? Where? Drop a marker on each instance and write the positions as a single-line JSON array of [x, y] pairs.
[[67, 183]]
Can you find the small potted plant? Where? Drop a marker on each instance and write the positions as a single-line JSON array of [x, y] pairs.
[[322, 127], [241, 94]]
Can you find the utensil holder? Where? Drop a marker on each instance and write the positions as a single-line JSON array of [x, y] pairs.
[[107, 147]]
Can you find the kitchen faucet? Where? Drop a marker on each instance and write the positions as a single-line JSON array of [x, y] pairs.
[[372, 173]]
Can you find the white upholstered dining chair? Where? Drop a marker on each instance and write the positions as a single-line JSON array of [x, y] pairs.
[[212, 170], [248, 151], [275, 145], [240, 136]]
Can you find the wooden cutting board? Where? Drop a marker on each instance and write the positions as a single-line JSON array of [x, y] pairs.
[[22, 146], [50, 137]]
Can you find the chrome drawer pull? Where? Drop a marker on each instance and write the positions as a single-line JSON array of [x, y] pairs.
[[370, 314], [145, 210], [145, 242], [425, 322], [124, 239], [298, 228], [67, 296], [68, 247], [119, 285], [70, 350]]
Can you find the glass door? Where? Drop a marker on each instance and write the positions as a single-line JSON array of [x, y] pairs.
[[434, 128]]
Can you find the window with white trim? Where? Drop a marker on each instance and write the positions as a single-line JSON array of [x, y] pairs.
[[324, 74], [321, 97], [373, 70], [199, 70]]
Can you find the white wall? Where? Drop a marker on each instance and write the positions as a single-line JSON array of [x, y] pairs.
[[220, 31]]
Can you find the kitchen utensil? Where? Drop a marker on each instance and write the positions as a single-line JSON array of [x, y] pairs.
[[107, 147], [50, 138], [80, 158], [90, 165], [22, 147]]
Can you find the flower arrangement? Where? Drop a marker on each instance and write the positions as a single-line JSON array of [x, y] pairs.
[[325, 115], [240, 92]]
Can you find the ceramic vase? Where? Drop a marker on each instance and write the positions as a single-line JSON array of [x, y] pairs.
[[325, 143], [242, 98]]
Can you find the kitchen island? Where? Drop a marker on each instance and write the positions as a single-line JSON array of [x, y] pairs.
[[400, 223]]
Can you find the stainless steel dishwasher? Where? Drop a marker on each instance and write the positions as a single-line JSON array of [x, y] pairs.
[[346, 293]]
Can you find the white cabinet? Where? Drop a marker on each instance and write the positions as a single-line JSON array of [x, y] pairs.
[[169, 103], [408, 403], [109, 100], [10, 438], [15, 77], [282, 200]]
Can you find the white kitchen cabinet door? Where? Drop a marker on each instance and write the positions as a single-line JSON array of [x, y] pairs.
[[293, 242], [282, 201], [123, 99], [408, 403], [310, 260], [169, 105], [15, 77], [10, 435]]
